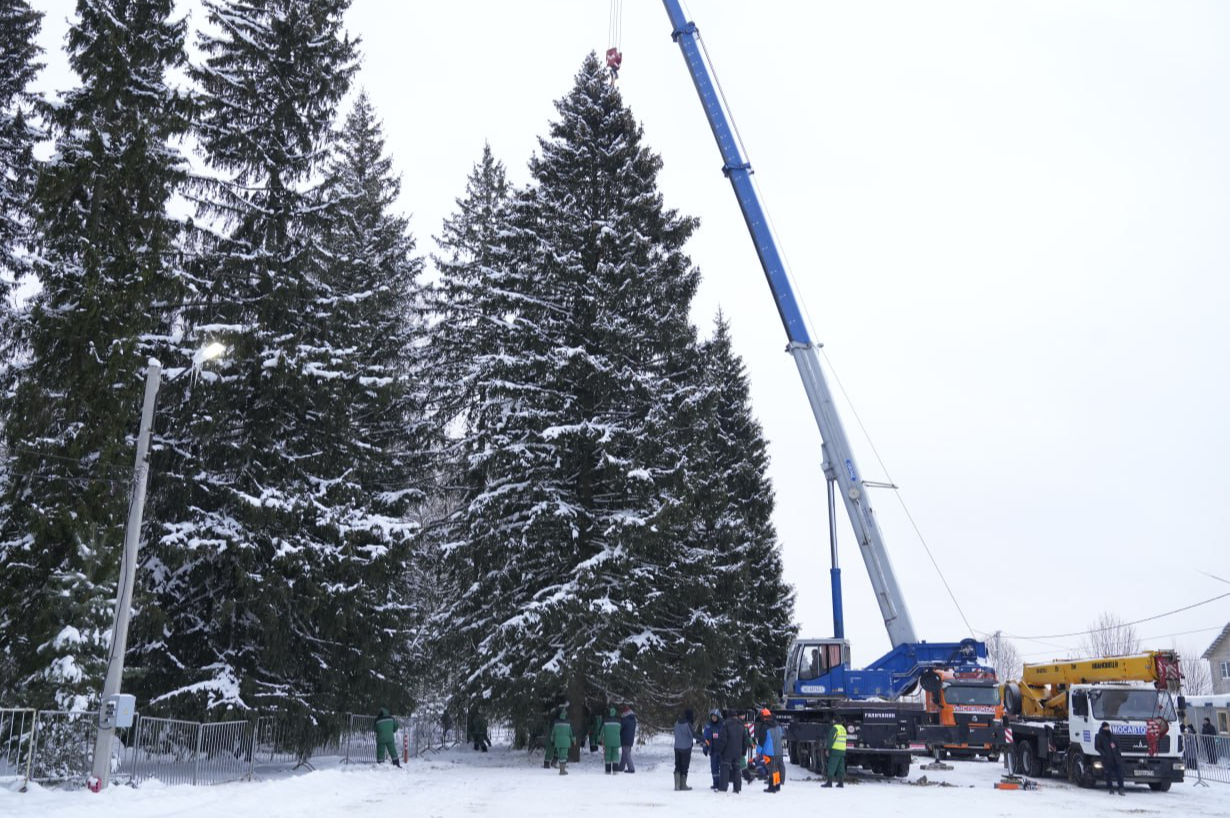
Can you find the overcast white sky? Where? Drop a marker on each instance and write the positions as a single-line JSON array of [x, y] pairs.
[[1009, 224]]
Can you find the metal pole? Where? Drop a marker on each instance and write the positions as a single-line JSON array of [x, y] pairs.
[[128, 570]]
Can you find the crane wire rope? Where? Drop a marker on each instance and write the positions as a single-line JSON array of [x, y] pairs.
[[810, 324], [615, 24]]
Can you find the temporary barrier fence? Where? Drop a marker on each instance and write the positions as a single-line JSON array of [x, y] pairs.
[[16, 744], [57, 747], [1207, 758]]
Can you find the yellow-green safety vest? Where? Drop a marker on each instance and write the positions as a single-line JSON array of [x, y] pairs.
[[839, 738]]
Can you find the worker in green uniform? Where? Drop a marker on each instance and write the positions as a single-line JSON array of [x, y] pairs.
[[385, 727], [837, 755], [562, 739], [610, 741]]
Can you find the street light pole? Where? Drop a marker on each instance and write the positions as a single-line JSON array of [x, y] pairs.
[[128, 570], [132, 540]]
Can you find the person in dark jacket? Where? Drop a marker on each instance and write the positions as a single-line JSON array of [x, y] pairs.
[[385, 727], [610, 741], [476, 731], [710, 737], [627, 735], [735, 745], [1207, 734], [685, 738], [595, 728], [1107, 745], [562, 739], [769, 749]]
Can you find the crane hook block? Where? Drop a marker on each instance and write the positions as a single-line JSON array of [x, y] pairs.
[[613, 58]]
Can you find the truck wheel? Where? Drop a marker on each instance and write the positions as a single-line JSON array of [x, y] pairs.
[[1079, 771], [1160, 786], [1027, 764], [901, 769], [793, 748]]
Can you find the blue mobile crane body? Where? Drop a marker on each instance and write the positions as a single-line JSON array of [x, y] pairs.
[[819, 679]]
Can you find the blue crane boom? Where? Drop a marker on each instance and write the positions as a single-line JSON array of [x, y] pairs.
[[839, 462]]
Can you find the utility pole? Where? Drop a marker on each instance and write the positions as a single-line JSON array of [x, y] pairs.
[[128, 569]]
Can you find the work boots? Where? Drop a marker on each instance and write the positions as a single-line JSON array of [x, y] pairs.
[[678, 786], [683, 782], [563, 768]]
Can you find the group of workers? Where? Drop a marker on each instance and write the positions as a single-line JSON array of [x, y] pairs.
[[615, 733], [736, 751], [727, 739]]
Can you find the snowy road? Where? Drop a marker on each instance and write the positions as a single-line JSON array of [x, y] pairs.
[[511, 785]]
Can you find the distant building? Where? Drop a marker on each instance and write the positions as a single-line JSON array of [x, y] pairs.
[[1218, 655]]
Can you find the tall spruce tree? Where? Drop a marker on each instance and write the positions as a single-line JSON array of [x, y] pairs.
[[274, 567], [107, 270], [733, 515], [565, 546], [19, 25]]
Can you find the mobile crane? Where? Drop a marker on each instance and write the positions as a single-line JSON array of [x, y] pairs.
[[820, 684], [1055, 710]]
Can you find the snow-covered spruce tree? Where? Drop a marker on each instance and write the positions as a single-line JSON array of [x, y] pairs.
[[19, 25], [734, 507], [375, 321], [465, 298], [107, 266], [573, 585], [469, 328], [275, 566]]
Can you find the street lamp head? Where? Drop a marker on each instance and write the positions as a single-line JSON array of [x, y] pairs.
[[209, 352]]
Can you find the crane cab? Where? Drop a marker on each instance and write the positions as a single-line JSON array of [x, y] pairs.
[[815, 669]]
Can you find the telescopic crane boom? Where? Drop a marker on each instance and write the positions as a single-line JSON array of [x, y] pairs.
[[839, 462]]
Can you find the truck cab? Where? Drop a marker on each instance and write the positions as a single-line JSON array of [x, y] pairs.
[[1134, 711], [966, 714]]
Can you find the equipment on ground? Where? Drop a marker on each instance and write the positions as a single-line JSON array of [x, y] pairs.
[[820, 685], [1054, 712]]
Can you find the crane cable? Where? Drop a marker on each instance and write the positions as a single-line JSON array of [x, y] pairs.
[[615, 33]]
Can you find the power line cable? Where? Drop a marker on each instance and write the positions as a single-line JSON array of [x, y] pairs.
[[1122, 624]]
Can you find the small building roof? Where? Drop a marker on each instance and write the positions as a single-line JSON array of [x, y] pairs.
[[1221, 637]]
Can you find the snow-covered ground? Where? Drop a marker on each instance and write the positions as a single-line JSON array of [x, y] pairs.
[[512, 784]]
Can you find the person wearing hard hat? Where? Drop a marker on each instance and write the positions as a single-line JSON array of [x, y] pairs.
[[770, 749]]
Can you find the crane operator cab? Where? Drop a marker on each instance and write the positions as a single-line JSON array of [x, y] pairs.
[[808, 667]]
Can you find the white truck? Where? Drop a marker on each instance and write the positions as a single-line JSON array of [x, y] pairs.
[[1052, 717]]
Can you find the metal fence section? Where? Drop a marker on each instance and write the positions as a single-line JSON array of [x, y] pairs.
[[16, 744], [57, 747], [64, 746], [224, 753], [165, 750], [1207, 758]]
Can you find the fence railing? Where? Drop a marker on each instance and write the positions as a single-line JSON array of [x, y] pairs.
[[16, 743], [1207, 758], [57, 747]]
